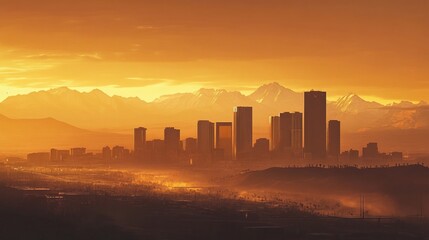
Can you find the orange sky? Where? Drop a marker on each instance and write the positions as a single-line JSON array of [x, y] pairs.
[[143, 48]]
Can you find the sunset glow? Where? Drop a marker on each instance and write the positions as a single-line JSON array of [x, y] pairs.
[[152, 48]]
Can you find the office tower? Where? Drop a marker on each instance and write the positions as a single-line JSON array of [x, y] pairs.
[[274, 133], [224, 140], [262, 147], [106, 152], [353, 154], [350, 155], [242, 133], [315, 124], [370, 151], [334, 138], [118, 153], [297, 132], [172, 142], [139, 142], [54, 155], [155, 150], [59, 155], [285, 132], [190, 145], [205, 137], [77, 152], [159, 146]]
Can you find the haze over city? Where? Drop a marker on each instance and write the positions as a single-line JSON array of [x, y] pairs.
[[214, 119]]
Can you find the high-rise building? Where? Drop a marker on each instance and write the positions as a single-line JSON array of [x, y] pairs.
[[155, 150], [350, 155], [106, 153], [54, 155], [334, 138], [297, 132], [315, 124], [139, 142], [242, 133], [59, 155], [77, 152], [172, 142], [120, 153], [274, 133], [370, 151], [285, 132], [224, 139], [205, 138], [190, 145], [262, 147]]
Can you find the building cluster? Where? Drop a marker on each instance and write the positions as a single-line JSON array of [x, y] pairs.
[[371, 152], [79, 153], [214, 141], [293, 135], [234, 140]]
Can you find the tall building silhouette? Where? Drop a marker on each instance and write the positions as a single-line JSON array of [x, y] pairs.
[[334, 138], [119, 153], [205, 139], [315, 124], [59, 155], [261, 148], [370, 151], [242, 133], [172, 142], [77, 152], [156, 150], [274, 133], [224, 139], [191, 145], [297, 132], [139, 142], [285, 132], [106, 153]]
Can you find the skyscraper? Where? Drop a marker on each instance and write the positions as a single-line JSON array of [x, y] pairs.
[[139, 142], [297, 132], [315, 124], [106, 153], [370, 151], [224, 139], [285, 132], [334, 139], [274, 132], [172, 142], [205, 139], [59, 155], [191, 145], [242, 133], [118, 153], [77, 152]]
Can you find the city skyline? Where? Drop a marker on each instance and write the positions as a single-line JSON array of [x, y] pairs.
[[216, 141], [242, 119], [260, 118]]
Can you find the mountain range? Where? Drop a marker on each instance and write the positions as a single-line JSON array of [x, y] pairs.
[[100, 112]]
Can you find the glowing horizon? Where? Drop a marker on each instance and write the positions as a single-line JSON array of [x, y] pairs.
[[148, 49]]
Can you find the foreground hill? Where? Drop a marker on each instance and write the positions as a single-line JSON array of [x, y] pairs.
[[397, 190], [23, 135]]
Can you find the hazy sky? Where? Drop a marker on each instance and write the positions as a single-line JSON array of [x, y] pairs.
[[376, 48]]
